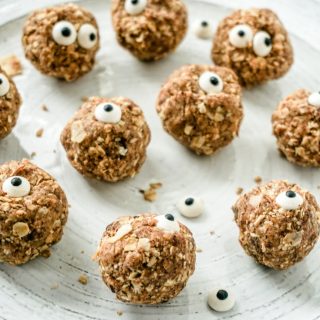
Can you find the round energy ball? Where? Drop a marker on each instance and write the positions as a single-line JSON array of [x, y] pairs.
[[10, 102], [61, 41], [200, 106], [107, 139], [146, 259], [149, 29], [253, 43], [296, 125], [278, 222], [33, 211]]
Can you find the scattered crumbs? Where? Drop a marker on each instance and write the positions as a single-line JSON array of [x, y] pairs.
[[82, 251], [32, 155], [54, 286], [83, 279], [39, 133], [212, 233], [84, 98], [44, 108], [199, 250], [54, 151], [200, 293], [11, 65], [239, 191], [257, 179], [151, 193], [119, 313]]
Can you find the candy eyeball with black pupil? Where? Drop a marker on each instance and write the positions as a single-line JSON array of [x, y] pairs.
[[16, 186], [167, 223], [4, 85], [314, 99], [289, 200], [108, 112], [203, 29], [240, 36], [262, 43], [221, 300], [191, 207], [64, 33], [210, 82], [135, 7], [87, 36]]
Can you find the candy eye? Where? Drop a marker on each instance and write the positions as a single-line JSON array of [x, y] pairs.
[[210, 82], [289, 200], [221, 300], [202, 29], [240, 36], [168, 223], [64, 33], [87, 36], [262, 43], [134, 7], [16, 186], [314, 99], [191, 207], [108, 112], [4, 85]]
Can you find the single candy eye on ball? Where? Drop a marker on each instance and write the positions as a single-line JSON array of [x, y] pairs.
[[289, 200], [168, 223], [16, 187], [262, 43], [210, 82], [64, 33], [221, 300], [134, 7], [4, 85], [240, 36], [314, 99], [203, 29], [87, 36], [108, 112], [191, 207]]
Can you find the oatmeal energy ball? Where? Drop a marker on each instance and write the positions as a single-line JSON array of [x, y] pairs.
[[254, 44], [296, 125], [149, 29], [10, 102], [61, 41], [107, 139], [146, 259], [278, 222], [33, 211], [200, 106]]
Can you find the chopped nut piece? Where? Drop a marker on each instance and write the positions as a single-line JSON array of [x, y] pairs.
[[151, 194], [258, 179], [39, 133], [83, 279], [20, 229], [11, 65]]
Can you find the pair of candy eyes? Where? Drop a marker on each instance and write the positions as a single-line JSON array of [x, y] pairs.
[[64, 33]]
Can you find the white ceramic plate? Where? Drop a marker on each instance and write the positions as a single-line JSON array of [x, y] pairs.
[[28, 292]]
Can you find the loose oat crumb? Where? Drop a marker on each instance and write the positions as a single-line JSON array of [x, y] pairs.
[[39, 133], [54, 286], [33, 154], [20, 229], [212, 233], [151, 194], [239, 191], [119, 313], [84, 98], [83, 279], [11, 65], [199, 250], [82, 251], [257, 179], [44, 108]]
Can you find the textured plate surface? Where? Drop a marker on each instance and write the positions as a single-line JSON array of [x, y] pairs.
[[48, 288]]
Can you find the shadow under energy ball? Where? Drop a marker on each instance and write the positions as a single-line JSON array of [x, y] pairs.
[[61, 41], [149, 29]]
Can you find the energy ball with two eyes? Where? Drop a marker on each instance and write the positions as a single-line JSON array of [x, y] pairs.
[[200, 106], [107, 139], [33, 212], [146, 259], [296, 125], [149, 29], [10, 101], [279, 223], [61, 41], [254, 44]]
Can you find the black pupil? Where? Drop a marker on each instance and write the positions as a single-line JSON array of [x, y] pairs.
[[92, 36], [241, 33], [204, 23], [214, 81], [169, 216], [1, 81], [222, 294], [108, 108], [267, 42], [189, 201], [134, 1], [16, 181], [290, 194], [66, 32]]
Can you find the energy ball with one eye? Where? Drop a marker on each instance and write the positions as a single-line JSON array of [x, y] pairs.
[[33, 212], [278, 222], [146, 259], [107, 139], [200, 106], [149, 29], [10, 101], [296, 125], [61, 41], [254, 44]]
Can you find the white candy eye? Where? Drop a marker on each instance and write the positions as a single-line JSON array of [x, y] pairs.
[[221, 300], [168, 223], [64, 33], [4, 85], [134, 7], [240, 35], [262, 43], [314, 99], [108, 112], [210, 82], [191, 207], [202, 29], [289, 200], [87, 36], [16, 186]]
